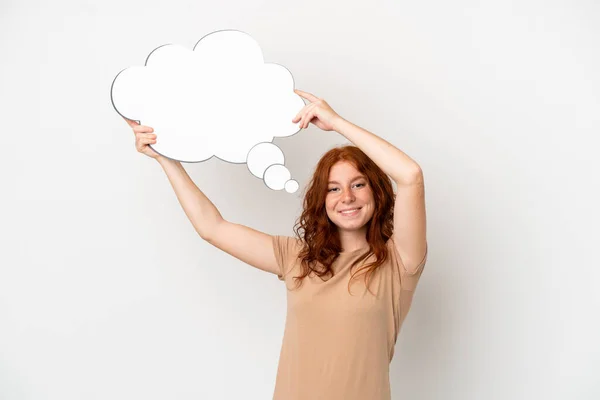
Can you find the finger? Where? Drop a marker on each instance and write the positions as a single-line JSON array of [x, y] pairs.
[[298, 116], [306, 95], [146, 135], [143, 142], [304, 116], [148, 140], [142, 129], [308, 116], [130, 122]]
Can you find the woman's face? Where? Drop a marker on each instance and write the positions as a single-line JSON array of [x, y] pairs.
[[348, 189]]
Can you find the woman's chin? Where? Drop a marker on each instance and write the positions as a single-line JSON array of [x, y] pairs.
[[350, 225]]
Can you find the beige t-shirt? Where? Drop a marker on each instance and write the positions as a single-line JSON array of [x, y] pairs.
[[337, 345]]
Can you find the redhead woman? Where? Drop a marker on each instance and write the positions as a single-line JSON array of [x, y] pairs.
[[350, 270]]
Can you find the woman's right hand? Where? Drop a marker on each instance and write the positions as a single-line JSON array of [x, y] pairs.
[[143, 137]]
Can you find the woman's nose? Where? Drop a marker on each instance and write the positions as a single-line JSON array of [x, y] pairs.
[[348, 196]]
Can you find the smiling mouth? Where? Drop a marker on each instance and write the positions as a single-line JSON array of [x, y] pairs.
[[350, 213]]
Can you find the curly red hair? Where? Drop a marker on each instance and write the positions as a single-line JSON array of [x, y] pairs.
[[320, 237]]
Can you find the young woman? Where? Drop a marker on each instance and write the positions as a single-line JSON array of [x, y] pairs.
[[340, 331]]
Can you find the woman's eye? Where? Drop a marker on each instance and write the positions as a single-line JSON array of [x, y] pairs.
[[358, 184]]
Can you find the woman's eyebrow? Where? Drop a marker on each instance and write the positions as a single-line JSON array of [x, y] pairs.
[[353, 179]]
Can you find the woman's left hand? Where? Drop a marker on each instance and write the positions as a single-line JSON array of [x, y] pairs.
[[316, 111]]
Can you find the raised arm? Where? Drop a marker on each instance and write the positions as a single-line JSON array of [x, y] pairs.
[[246, 244], [409, 210], [201, 212]]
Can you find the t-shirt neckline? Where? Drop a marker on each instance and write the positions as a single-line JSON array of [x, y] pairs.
[[366, 247]]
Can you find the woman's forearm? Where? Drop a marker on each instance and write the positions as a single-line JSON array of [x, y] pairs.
[[201, 212], [389, 158]]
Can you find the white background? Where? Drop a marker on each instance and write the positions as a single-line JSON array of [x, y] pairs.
[[107, 292]]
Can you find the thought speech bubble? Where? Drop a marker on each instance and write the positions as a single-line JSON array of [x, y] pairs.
[[218, 100]]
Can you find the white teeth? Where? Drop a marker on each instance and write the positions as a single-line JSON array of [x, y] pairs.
[[349, 211]]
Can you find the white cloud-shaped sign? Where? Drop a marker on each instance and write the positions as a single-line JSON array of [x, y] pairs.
[[219, 99]]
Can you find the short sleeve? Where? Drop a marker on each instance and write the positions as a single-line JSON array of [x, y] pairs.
[[408, 280], [286, 252]]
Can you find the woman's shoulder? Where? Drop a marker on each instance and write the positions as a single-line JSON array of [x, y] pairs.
[[287, 245]]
